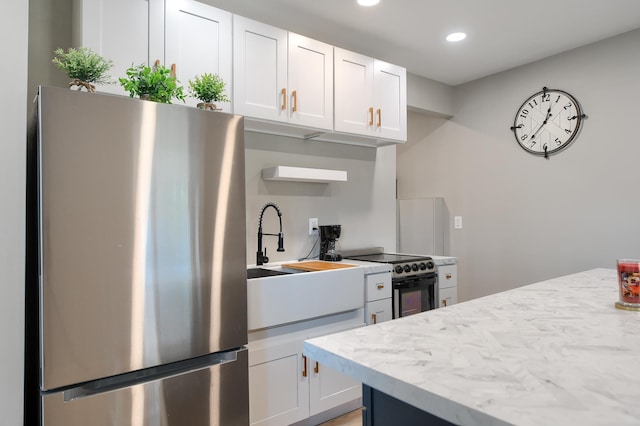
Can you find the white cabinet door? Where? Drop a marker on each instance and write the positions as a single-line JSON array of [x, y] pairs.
[[259, 70], [310, 82], [390, 100], [328, 388], [370, 96], [128, 32], [378, 311], [353, 81], [198, 41], [278, 391]]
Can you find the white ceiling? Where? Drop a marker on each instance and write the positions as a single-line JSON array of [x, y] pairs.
[[502, 34]]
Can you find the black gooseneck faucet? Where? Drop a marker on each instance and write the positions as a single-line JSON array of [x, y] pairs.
[[261, 258]]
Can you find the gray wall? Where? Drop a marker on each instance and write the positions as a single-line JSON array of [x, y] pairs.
[[527, 219], [364, 205], [13, 26]]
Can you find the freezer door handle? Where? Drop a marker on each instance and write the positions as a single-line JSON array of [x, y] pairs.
[[147, 375]]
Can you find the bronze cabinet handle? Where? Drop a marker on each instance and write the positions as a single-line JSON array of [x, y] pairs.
[[374, 317], [379, 118], [444, 303], [316, 369], [371, 116], [380, 286], [294, 94], [284, 99], [448, 276], [304, 361]]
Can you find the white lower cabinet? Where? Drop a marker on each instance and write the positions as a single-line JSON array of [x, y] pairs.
[[284, 385], [378, 306], [278, 392], [447, 285]]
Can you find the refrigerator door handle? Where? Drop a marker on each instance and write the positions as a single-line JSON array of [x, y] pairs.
[[108, 384]]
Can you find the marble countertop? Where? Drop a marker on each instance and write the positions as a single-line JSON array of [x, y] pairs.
[[552, 353]]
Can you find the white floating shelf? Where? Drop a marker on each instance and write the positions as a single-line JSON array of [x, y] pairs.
[[303, 174]]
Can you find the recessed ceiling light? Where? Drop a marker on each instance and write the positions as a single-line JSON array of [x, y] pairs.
[[368, 2], [456, 37]]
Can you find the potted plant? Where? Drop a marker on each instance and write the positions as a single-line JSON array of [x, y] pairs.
[[208, 88], [155, 83], [84, 66]]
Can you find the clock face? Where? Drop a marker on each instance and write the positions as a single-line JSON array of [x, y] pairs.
[[547, 122]]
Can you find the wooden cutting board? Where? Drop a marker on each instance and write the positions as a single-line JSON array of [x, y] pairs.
[[317, 265]]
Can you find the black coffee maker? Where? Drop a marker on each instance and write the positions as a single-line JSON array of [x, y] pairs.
[[328, 236]]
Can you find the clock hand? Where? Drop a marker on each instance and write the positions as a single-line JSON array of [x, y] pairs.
[[543, 123]]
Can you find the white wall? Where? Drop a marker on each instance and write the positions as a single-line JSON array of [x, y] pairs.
[[525, 218], [14, 24], [429, 96], [364, 205]]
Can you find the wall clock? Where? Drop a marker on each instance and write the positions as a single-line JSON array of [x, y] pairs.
[[547, 122]]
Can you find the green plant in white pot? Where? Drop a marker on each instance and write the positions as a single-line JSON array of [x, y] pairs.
[[208, 88], [84, 66], [157, 83]]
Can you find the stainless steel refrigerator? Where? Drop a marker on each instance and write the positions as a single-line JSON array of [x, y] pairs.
[[136, 271]]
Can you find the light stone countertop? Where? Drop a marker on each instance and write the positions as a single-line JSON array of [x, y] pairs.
[[552, 353]]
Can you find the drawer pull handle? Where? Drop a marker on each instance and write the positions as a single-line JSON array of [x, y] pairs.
[[379, 118], [304, 361], [448, 276], [371, 116], [374, 317], [444, 303], [380, 286], [316, 369], [284, 99]]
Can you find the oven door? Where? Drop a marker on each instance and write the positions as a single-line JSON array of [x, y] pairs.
[[413, 295]]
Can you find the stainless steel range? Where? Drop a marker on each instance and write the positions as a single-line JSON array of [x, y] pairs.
[[414, 280]]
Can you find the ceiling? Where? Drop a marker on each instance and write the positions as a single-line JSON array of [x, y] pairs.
[[502, 34]]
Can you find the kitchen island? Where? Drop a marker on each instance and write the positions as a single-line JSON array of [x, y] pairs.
[[555, 352]]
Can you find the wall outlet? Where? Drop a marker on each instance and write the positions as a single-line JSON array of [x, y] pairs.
[[313, 225]]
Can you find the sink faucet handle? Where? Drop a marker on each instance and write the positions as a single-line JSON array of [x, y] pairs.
[[280, 242], [265, 259]]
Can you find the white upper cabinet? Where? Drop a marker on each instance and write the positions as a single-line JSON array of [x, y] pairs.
[[281, 76], [370, 97], [196, 37], [284, 83], [124, 31], [198, 41]]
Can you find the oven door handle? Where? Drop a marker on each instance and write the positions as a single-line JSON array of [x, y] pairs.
[[414, 282]]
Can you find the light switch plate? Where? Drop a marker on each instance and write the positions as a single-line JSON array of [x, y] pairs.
[[457, 220]]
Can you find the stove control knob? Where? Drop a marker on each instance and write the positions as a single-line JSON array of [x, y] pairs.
[[423, 266], [398, 269], [407, 268], [414, 267], [431, 265]]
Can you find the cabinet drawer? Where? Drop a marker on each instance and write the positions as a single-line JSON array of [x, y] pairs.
[[378, 311], [447, 276], [448, 297], [377, 286]]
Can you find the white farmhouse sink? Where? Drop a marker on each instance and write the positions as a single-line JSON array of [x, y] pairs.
[[291, 297]]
